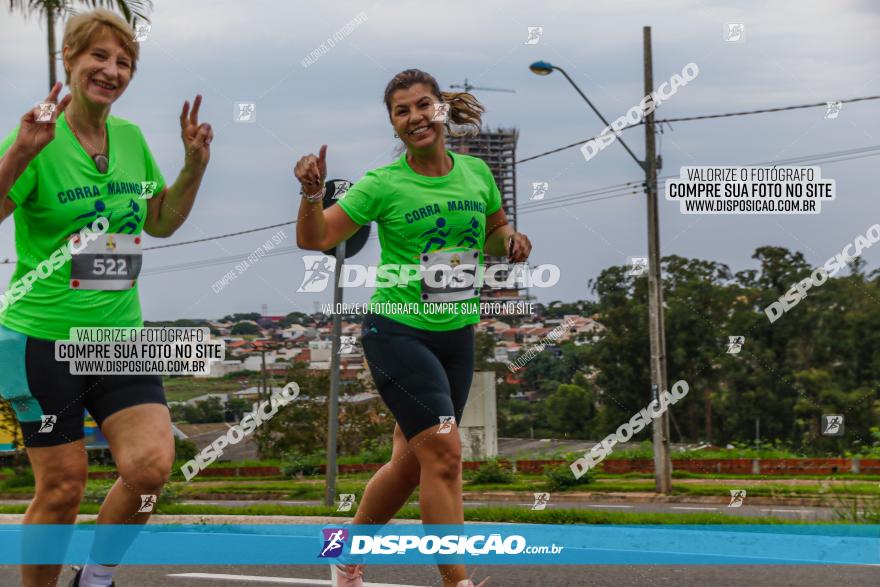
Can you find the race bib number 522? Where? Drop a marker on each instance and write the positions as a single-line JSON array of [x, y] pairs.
[[111, 262]]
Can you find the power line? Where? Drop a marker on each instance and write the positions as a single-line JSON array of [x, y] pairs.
[[607, 193], [215, 261], [575, 198], [219, 236], [762, 111], [550, 205], [577, 195], [702, 117], [565, 205], [825, 158], [806, 158], [829, 157]]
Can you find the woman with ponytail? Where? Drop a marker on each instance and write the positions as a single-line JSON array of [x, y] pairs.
[[437, 211]]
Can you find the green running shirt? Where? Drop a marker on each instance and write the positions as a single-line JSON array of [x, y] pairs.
[[60, 193], [420, 215]]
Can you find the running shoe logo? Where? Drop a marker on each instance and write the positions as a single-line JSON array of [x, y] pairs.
[[47, 423], [832, 425], [541, 501], [737, 497], [147, 503], [334, 542], [340, 188], [148, 189], [446, 423], [735, 344], [346, 345], [317, 273], [346, 501]]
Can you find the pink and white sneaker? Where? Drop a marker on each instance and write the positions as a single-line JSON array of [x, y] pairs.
[[347, 575], [469, 583]]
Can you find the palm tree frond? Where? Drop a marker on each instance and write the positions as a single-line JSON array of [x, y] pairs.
[[131, 10], [28, 7]]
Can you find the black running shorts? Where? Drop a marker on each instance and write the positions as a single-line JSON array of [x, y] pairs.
[[423, 376], [49, 402]]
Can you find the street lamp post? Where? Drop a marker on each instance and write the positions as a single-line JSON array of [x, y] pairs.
[[544, 68], [662, 462]]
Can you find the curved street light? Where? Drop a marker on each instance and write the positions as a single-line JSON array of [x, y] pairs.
[[546, 68]]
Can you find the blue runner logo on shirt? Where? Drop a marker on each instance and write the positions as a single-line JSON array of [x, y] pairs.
[[334, 542], [444, 235]]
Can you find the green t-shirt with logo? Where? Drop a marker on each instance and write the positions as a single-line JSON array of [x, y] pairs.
[[61, 192], [420, 217]]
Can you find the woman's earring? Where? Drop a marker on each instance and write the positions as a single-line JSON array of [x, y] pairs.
[[396, 136]]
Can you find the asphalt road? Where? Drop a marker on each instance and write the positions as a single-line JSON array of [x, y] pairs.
[[502, 576], [517, 575]]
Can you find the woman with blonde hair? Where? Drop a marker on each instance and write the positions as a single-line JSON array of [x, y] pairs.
[[71, 166], [438, 211]]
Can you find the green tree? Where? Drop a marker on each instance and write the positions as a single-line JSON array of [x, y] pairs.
[[551, 366], [558, 309], [484, 350], [295, 318], [300, 428], [254, 316], [621, 356], [569, 410], [244, 328], [206, 411]]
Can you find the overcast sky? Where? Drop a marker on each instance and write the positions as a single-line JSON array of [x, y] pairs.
[[794, 52]]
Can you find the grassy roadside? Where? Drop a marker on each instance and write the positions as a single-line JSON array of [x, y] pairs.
[[313, 488], [521, 477], [481, 514]]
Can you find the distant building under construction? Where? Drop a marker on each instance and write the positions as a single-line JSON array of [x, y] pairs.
[[498, 149]]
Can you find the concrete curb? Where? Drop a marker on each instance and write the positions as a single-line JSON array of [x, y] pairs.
[[568, 497], [640, 497]]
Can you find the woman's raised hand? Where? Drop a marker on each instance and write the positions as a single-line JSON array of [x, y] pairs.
[[37, 127], [311, 171]]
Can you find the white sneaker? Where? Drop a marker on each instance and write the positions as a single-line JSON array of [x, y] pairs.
[[469, 583], [347, 575]]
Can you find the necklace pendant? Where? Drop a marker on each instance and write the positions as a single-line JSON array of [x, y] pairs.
[[101, 162]]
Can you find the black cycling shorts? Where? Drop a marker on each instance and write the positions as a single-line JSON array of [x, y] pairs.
[[423, 376], [49, 402]]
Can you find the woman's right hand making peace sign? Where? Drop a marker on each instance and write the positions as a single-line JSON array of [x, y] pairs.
[[311, 171], [34, 135]]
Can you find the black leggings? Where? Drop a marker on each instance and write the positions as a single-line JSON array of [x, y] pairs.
[[423, 376]]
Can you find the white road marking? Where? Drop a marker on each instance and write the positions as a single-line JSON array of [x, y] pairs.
[[692, 508], [279, 580]]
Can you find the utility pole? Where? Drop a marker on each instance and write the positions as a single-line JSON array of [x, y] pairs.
[[662, 461], [333, 400], [265, 391]]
